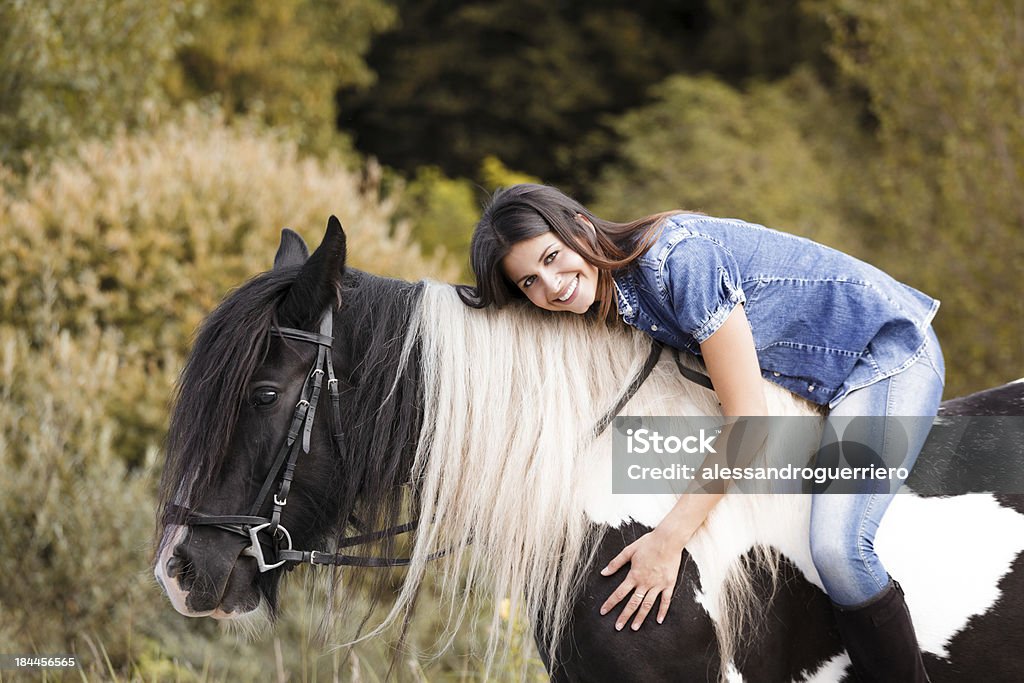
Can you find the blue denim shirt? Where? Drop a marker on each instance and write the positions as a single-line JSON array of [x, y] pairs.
[[824, 322]]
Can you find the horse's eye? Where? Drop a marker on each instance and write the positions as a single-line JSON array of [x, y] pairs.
[[264, 397]]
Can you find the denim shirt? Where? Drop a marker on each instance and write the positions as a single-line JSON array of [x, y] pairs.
[[824, 323]]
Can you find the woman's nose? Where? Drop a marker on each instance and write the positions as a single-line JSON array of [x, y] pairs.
[[552, 282]]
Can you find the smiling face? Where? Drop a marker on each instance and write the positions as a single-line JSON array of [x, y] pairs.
[[551, 274]]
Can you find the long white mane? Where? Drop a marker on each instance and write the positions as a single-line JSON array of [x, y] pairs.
[[508, 469]]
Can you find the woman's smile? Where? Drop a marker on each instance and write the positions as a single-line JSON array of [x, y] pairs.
[[571, 292]]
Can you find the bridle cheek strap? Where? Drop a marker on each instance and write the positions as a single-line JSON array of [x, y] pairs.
[[251, 525]]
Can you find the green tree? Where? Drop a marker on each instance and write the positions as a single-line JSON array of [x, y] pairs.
[[70, 70], [531, 82], [283, 60], [946, 87], [775, 154]]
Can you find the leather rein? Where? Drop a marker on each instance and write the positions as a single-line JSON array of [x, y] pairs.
[[297, 442]]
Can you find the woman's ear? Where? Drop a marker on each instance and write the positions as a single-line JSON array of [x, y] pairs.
[[588, 229], [583, 220]]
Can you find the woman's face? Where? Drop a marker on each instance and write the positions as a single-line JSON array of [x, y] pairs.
[[552, 275]]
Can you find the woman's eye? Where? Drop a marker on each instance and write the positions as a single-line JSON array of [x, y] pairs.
[[550, 257], [264, 397], [529, 281]]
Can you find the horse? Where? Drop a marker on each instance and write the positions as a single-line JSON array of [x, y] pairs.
[[319, 399]]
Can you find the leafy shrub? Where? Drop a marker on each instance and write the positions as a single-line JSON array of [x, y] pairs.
[[145, 234], [756, 154], [72, 69]]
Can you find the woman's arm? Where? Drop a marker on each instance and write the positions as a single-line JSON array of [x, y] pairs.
[[731, 361]]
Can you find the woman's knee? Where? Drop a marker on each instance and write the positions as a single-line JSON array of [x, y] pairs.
[[835, 549], [831, 553]]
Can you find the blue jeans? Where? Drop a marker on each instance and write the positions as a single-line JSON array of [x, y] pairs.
[[843, 525]]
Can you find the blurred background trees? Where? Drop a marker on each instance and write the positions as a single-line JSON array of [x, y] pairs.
[[151, 152]]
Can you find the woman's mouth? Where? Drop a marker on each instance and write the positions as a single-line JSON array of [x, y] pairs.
[[570, 293]]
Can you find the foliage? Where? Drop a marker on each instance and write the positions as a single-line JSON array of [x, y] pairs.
[[759, 155], [762, 40], [495, 174], [945, 86], [71, 70], [441, 210], [74, 518], [145, 234], [282, 60], [529, 82]]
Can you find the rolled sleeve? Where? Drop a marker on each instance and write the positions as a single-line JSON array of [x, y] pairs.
[[702, 285]]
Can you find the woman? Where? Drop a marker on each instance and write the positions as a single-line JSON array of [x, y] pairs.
[[754, 303]]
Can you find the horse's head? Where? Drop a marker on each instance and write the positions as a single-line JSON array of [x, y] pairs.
[[255, 451]]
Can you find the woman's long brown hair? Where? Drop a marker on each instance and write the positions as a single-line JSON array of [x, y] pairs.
[[523, 211]]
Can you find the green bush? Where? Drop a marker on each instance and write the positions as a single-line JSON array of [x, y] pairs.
[[757, 155], [281, 60], [109, 259], [146, 233], [71, 70], [947, 207]]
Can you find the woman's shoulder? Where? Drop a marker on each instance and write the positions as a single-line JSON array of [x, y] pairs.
[[678, 229]]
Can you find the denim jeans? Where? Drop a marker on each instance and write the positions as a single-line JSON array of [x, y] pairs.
[[843, 525]]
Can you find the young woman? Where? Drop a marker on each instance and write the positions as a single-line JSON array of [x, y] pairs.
[[753, 303]]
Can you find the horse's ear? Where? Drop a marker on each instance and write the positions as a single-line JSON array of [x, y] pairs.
[[319, 281], [292, 251]]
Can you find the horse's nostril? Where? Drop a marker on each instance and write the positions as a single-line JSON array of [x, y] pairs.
[[180, 567]]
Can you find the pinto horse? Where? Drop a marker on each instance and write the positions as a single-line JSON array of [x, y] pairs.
[[319, 399]]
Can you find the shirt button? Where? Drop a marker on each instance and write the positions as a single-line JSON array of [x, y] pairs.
[[654, 328], [810, 387], [776, 373]]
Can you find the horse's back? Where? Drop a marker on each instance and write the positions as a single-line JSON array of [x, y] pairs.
[[1005, 400]]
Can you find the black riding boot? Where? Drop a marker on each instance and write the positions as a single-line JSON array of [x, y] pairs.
[[879, 637]]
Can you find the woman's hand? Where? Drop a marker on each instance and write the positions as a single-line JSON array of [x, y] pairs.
[[654, 560]]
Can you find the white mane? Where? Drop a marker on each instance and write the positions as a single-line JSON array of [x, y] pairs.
[[508, 469], [507, 466]]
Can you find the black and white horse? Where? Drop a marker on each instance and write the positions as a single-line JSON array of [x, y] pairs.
[[481, 424]]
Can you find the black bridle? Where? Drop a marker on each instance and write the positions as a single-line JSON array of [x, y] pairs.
[[295, 444], [278, 537]]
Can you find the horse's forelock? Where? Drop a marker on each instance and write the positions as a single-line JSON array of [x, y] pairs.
[[230, 346]]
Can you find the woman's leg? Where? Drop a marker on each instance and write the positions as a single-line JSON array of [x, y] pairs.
[[843, 525]]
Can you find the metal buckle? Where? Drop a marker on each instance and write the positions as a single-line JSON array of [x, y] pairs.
[[256, 550], [312, 557]]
